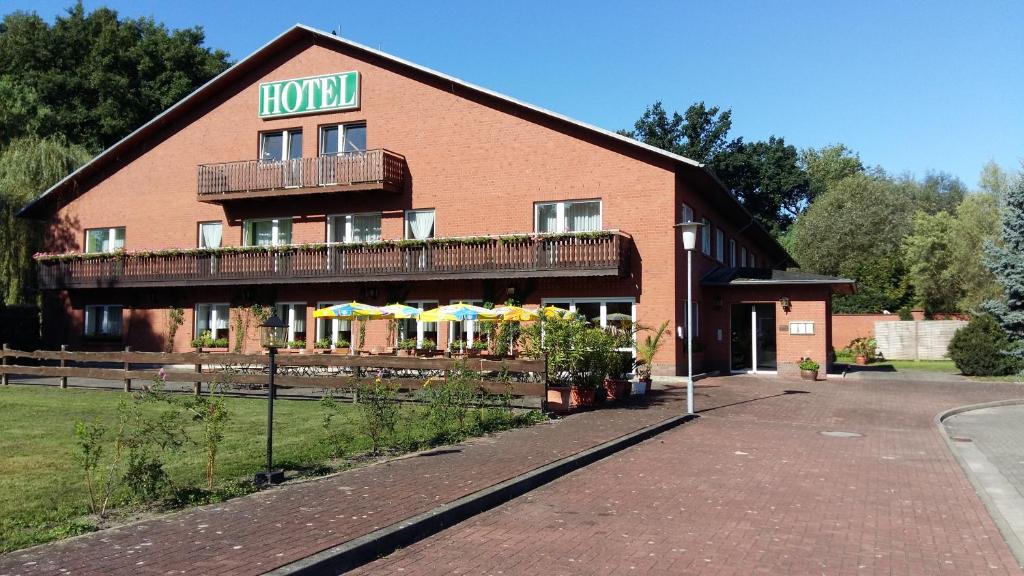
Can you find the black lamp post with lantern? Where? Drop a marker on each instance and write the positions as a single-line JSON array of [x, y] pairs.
[[273, 335]]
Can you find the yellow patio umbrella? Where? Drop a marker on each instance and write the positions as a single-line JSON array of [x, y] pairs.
[[554, 312], [457, 313], [350, 311], [517, 313], [400, 311]]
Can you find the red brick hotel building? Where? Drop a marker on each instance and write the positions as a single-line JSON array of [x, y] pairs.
[[317, 171]]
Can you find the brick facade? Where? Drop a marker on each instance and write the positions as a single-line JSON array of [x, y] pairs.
[[480, 161]]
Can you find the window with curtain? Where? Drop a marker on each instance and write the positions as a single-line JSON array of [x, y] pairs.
[[103, 321], [104, 239], [419, 224], [719, 245], [687, 215], [212, 317], [412, 328], [274, 232], [210, 234], [705, 236], [355, 228], [294, 315], [577, 216], [332, 329]]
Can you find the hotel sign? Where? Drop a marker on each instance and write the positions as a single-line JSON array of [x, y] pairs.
[[338, 91]]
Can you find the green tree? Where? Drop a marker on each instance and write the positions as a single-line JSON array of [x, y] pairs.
[[827, 165], [767, 178], [96, 77], [994, 180], [928, 251], [27, 165], [856, 229], [939, 192], [700, 134], [977, 225], [1006, 262]]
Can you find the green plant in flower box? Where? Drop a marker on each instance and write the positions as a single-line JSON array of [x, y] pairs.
[[342, 343], [407, 344], [808, 364], [322, 344]]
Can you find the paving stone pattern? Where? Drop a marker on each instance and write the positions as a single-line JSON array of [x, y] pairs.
[[752, 488], [999, 433]]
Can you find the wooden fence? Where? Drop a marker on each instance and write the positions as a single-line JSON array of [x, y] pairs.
[[521, 377]]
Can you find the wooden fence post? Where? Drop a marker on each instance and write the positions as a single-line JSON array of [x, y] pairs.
[[4, 359], [127, 368], [63, 363], [197, 387]]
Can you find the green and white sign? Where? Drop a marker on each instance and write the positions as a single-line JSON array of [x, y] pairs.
[[338, 91]]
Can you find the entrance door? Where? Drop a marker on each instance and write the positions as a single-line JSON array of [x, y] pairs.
[[753, 338]]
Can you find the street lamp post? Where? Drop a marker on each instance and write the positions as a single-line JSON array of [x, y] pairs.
[[690, 231], [274, 333]]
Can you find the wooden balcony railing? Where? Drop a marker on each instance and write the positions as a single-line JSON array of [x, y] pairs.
[[352, 171], [587, 254]]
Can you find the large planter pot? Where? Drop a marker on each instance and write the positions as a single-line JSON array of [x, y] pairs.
[[861, 359], [404, 352], [617, 390], [809, 374], [342, 351], [559, 399], [583, 397]]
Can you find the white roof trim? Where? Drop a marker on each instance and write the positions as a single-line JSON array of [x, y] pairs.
[[328, 36]]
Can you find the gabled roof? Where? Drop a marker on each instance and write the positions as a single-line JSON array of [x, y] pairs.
[[727, 276], [37, 208]]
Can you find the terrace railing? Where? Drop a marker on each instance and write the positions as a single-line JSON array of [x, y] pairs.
[[585, 254], [367, 170]]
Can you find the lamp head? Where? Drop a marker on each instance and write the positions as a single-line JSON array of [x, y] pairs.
[[690, 231]]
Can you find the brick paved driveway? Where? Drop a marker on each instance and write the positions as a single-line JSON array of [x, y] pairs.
[[753, 488]]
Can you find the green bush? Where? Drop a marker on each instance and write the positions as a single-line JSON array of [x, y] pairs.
[[979, 349]]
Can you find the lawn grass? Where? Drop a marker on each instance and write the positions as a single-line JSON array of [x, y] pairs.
[[943, 366], [42, 493]]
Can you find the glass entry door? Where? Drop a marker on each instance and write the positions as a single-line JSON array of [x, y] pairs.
[[752, 336]]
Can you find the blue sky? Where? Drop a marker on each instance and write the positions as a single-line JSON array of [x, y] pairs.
[[912, 86]]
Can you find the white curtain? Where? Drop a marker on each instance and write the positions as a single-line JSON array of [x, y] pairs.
[[211, 235], [117, 243], [547, 218], [366, 228], [111, 320], [421, 224], [202, 318], [583, 216], [222, 317], [284, 231]]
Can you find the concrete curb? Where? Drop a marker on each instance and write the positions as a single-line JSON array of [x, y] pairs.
[[1014, 538], [369, 547]]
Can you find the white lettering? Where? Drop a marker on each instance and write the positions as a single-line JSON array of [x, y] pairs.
[[328, 91], [311, 86], [296, 89], [271, 99]]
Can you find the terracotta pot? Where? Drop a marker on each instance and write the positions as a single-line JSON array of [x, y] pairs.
[[559, 399], [861, 359], [809, 374], [583, 397], [404, 352], [342, 351], [616, 389]]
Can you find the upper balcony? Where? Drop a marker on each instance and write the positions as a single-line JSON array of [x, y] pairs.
[[525, 255], [370, 170]]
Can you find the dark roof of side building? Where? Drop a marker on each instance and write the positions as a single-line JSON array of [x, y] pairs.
[[727, 276], [83, 178]]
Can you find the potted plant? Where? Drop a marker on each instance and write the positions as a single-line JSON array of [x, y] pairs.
[[478, 348], [323, 346], [863, 350], [298, 346], [406, 346], [645, 352], [342, 346], [616, 382], [809, 369], [209, 344], [427, 348]]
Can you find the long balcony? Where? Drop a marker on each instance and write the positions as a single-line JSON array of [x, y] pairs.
[[560, 255], [371, 170]]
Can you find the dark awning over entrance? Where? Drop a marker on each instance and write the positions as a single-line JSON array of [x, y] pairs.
[[747, 277]]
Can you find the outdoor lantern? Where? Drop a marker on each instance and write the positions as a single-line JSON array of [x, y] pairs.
[[274, 332], [690, 232], [785, 303]]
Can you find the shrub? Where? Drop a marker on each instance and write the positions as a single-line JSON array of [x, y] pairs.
[[407, 344], [322, 344], [429, 344], [378, 412], [864, 347], [979, 349], [342, 343]]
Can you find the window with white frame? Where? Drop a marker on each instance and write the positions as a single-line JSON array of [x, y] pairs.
[[412, 328], [574, 216], [280, 145], [337, 332], [270, 232], [104, 239], [462, 334], [349, 228], [212, 318], [342, 138], [687, 215], [705, 237], [210, 234], [732, 252], [719, 245], [103, 321], [294, 315], [743, 256], [419, 224]]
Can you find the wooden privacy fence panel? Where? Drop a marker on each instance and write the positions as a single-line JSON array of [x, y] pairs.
[[917, 339], [604, 254], [529, 375]]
